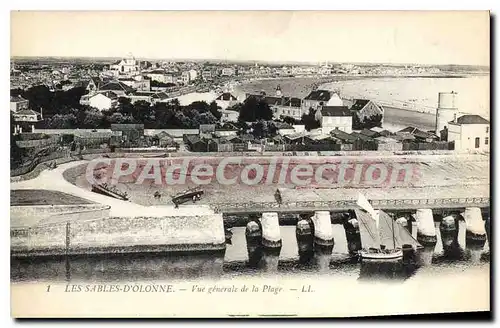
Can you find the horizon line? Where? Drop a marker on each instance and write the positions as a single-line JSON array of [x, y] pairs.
[[245, 60]]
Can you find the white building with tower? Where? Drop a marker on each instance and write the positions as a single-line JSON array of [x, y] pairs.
[[446, 111], [468, 132], [127, 65]]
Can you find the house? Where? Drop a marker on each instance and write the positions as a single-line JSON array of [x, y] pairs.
[[419, 135], [366, 113], [206, 130], [289, 106], [294, 139], [18, 103], [141, 83], [92, 85], [193, 74], [226, 132], [159, 76], [381, 131], [281, 105], [370, 133], [388, 144], [334, 117], [343, 136], [118, 88], [127, 81], [137, 96], [102, 100], [229, 115], [129, 132], [206, 75], [318, 98], [284, 128], [158, 97], [227, 71], [195, 143], [226, 100], [25, 120], [27, 115], [163, 139], [186, 77], [126, 66], [470, 132]]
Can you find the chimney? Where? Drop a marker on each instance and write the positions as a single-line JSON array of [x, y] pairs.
[[455, 118]]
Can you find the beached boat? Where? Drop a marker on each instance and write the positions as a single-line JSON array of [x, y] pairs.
[[193, 194], [110, 191]]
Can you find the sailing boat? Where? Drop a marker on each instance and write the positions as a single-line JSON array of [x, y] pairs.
[[381, 238], [374, 240]]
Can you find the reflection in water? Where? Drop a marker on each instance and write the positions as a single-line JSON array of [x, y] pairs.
[[383, 270], [246, 257], [128, 267], [424, 256], [321, 260]]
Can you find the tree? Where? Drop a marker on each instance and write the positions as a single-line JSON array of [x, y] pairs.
[[164, 115], [264, 129], [309, 120], [253, 109], [93, 119], [116, 118], [214, 109], [200, 106], [264, 112], [289, 120], [39, 97], [143, 112], [125, 106], [60, 121]]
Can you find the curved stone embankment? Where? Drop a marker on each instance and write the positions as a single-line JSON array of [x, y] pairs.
[[121, 235], [131, 228]]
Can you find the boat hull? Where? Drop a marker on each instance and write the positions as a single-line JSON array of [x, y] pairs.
[[397, 255]]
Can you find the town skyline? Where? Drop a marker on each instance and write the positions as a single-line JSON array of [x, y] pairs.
[[246, 62], [274, 37]]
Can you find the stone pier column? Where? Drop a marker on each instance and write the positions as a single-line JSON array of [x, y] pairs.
[[323, 232], [476, 233], [426, 231], [353, 236], [253, 235], [305, 239], [271, 234], [449, 230]]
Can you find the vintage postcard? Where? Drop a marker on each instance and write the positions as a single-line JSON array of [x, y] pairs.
[[249, 163]]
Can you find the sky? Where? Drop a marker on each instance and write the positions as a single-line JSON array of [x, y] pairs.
[[459, 37]]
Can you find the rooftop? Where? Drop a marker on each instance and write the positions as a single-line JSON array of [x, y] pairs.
[[359, 104], [226, 96], [471, 119], [17, 99], [115, 86], [319, 95], [26, 112], [335, 111]]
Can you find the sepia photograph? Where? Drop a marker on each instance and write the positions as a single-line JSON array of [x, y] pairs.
[[249, 164]]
